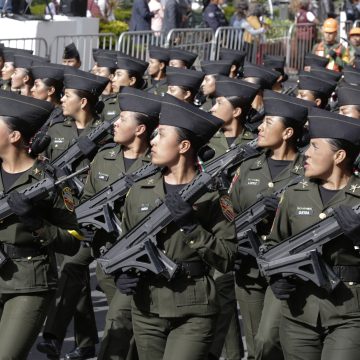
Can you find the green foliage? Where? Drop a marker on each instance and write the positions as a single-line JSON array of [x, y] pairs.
[[123, 14], [38, 9], [229, 11], [116, 27]]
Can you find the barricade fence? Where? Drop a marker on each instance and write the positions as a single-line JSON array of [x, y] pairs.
[[39, 46]]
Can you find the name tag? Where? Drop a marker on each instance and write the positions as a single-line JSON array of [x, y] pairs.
[[255, 182], [110, 113], [58, 141], [102, 176], [304, 211]]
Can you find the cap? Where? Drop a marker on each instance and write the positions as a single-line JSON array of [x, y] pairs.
[[236, 57], [9, 53], [267, 77], [244, 90], [184, 77], [71, 52], [180, 54], [351, 75], [26, 60], [219, 67], [325, 74], [103, 60], [159, 53], [326, 124], [354, 31], [330, 25], [309, 81], [348, 95], [32, 112], [274, 62], [315, 60], [47, 70], [277, 104], [132, 64], [130, 98], [175, 112], [82, 80]]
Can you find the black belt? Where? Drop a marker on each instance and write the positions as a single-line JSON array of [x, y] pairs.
[[347, 273], [192, 269], [18, 252]]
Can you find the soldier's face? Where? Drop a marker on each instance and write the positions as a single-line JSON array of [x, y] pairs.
[[306, 95], [72, 62], [70, 103], [120, 78], [165, 146], [319, 159], [271, 132], [177, 92], [154, 67], [177, 63], [40, 90], [350, 110], [330, 37], [223, 110], [18, 78], [208, 85], [7, 70], [126, 128]]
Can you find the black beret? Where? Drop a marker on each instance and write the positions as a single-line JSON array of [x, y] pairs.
[[82, 80], [277, 104], [351, 75], [246, 91], [32, 112], [44, 70], [235, 56], [315, 60], [267, 77], [175, 112], [180, 54], [184, 77], [348, 95], [130, 98], [309, 81], [219, 67], [159, 53], [132, 64], [70, 52], [326, 124]]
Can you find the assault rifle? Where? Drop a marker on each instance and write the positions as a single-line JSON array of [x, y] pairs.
[[246, 222], [66, 160], [98, 211], [37, 191], [138, 248], [301, 254]]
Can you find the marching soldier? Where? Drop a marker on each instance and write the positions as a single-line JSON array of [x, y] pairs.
[[158, 61], [105, 67], [181, 58], [351, 75], [33, 233], [71, 56], [316, 324], [349, 101], [237, 58], [277, 63], [314, 61]]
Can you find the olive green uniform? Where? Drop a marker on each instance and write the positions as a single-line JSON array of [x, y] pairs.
[[29, 279], [107, 167], [157, 87], [5, 85], [207, 105], [314, 323], [73, 297], [111, 107], [227, 331], [251, 179], [176, 319]]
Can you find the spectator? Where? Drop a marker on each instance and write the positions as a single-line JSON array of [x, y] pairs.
[[52, 8], [172, 16], [354, 47], [306, 24], [213, 16], [239, 19], [157, 21], [141, 16]]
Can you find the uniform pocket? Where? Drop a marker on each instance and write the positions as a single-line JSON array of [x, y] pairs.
[[194, 293]]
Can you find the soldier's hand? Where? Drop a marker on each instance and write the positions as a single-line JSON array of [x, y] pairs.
[[333, 54], [181, 212], [271, 203], [24, 209], [86, 146], [282, 288], [127, 283], [349, 222]]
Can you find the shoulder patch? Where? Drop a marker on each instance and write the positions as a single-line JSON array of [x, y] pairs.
[[227, 207], [68, 199]]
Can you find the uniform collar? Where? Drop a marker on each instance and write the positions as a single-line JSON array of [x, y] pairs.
[[70, 122]]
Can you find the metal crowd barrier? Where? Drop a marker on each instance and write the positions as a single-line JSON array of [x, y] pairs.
[[198, 41], [136, 43], [226, 37], [84, 44], [38, 45]]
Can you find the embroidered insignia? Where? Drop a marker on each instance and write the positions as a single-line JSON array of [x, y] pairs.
[[112, 153], [36, 171], [304, 184], [68, 199], [227, 208], [97, 122], [103, 176], [353, 188], [297, 168], [234, 180], [258, 163], [150, 181]]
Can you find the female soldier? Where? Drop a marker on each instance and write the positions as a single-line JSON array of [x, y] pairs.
[[82, 91], [130, 152], [30, 237], [316, 324], [176, 319], [22, 79], [264, 174]]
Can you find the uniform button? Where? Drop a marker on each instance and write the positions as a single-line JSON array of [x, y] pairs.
[[263, 237], [270, 184], [29, 257], [192, 242], [164, 251], [322, 216]]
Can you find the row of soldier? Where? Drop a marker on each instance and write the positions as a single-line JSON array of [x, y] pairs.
[[167, 119]]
